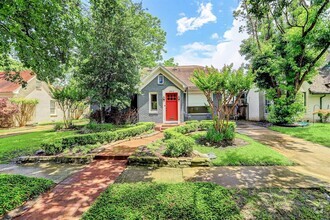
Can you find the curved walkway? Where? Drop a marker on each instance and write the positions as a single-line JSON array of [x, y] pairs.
[[74, 195]]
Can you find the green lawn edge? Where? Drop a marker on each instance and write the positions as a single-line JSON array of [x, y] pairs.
[[317, 133]]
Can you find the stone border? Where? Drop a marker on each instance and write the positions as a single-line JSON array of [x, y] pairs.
[[84, 159], [181, 162]]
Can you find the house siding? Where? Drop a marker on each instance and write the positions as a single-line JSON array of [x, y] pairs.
[[143, 101]]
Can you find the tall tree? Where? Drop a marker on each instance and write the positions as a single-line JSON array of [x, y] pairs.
[[287, 44], [123, 38], [41, 35]]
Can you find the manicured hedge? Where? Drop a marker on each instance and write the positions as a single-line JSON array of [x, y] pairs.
[[58, 145], [150, 201], [16, 189]]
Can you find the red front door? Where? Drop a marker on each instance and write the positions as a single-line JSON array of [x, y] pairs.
[[171, 106]]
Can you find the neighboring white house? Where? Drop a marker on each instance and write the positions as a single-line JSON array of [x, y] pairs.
[[316, 95], [46, 110]]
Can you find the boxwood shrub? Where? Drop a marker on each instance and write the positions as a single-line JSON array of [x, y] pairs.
[[178, 144], [60, 144]]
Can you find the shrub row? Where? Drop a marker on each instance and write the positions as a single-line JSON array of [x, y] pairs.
[[60, 144], [178, 144]]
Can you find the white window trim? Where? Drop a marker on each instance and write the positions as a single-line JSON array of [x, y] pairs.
[[55, 112], [150, 109], [160, 75]]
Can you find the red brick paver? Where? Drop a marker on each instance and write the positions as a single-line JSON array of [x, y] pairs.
[[73, 196]]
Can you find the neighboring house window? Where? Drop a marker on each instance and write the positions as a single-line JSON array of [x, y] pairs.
[[38, 85], [160, 79], [305, 101], [153, 102], [267, 104], [52, 107]]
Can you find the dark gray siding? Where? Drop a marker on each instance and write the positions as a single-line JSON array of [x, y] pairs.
[[143, 101]]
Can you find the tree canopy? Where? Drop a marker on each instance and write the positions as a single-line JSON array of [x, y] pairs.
[[123, 37], [223, 90], [41, 35], [288, 41]]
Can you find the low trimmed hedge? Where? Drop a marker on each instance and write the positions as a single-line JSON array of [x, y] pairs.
[[60, 144], [178, 144]]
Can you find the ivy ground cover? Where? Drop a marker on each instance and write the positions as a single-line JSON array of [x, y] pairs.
[[17, 189], [207, 201]]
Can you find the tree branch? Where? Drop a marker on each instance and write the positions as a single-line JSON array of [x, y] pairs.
[[319, 12]]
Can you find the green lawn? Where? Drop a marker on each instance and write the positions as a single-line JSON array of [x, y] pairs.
[[317, 133], [16, 189], [252, 154], [207, 201], [26, 144]]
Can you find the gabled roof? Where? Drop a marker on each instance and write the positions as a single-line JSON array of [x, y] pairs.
[[321, 82], [179, 75], [10, 87]]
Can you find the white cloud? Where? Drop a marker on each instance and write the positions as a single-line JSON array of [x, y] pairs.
[[205, 16], [215, 36], [225, 52]]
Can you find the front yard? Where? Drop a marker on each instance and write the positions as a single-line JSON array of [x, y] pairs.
[[251, 154], [207, 201], [26, 144], [317, 133], [16, 189]]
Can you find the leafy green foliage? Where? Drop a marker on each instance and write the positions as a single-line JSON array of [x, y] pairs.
[[170, 62], [226, 85], [315, 132], [123, 37], [59, 145], [70, 98], [16, 189], [164, 201], [179, 147], [252, 154], [42, 35], [285, 110], [288, 42]]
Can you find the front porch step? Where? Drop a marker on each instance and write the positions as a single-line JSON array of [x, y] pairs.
[[162, 127]]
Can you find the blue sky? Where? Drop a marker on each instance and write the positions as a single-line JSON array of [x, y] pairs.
[[199, 32]]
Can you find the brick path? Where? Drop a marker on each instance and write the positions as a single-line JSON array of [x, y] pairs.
[[73, 196]]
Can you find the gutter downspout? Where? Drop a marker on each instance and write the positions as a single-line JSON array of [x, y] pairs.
[[187, 92], [321, 100]]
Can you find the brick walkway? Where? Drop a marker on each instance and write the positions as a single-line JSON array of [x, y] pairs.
[[73, 196]]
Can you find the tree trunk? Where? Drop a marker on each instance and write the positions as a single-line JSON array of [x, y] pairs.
[[102, 115]]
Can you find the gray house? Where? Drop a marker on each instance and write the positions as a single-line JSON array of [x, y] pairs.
[[168, 96]]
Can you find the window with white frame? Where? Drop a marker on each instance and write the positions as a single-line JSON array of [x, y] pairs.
[[153, 102], [197, 103], [52, 107], [160, 79], [267, 105]]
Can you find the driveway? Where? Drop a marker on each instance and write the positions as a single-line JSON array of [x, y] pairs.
[[311, 159]]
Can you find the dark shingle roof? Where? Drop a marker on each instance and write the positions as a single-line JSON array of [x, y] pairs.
[[321, 82]]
